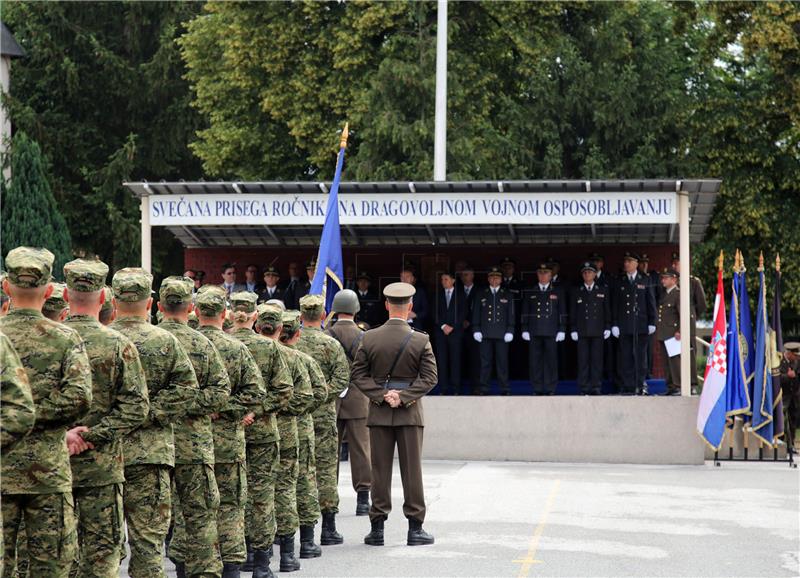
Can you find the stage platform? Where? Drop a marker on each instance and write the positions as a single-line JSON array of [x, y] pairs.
[[570, 428]]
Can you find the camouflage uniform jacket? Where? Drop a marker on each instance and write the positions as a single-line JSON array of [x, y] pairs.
[[247, 391], [305, 421], [119, 402], [171, 387], [61, 386], [17, 413], [194, 436], [277, 385], [330, 356]]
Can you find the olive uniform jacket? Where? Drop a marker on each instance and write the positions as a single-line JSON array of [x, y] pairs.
[[374, 358], [669, 314], [354, 405]]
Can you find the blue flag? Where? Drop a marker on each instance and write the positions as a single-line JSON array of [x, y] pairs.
[[330, 271], [746, 345], [735, 387], [761, 423]]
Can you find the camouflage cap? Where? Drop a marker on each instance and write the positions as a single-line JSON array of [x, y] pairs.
[[291, 320], [312, 304], [277, 303], [227, 323], [269, 314], [2, 278], [29, 267], [193, 321], [176, 289], [132, 284], [210, 301], [244, 301], [56, 301], [107, 304], [85, 276], [159, 317]]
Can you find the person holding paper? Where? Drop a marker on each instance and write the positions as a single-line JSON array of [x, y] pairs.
[[668, 329]]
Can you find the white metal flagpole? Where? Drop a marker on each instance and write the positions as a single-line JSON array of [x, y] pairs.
[[440, 138]]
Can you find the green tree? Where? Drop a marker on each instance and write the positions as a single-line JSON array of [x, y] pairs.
[[30, 216]]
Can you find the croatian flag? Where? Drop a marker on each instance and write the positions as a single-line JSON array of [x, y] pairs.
[[712, 410]]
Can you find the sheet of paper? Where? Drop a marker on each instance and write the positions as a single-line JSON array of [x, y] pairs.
[[673, 346], [344, 392]]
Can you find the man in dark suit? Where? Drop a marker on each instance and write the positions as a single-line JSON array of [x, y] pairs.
[[590, 322], [349, 280], [295, 291], [251, 281], [634, 319], [469, 290], [493, 327], [395, 367], [369, 305], [418, 318], [544, 324], [450, 313], [271, 289], [229, 280]]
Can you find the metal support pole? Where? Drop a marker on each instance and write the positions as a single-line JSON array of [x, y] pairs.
[[686, 286], [440, 139], [147, 263]]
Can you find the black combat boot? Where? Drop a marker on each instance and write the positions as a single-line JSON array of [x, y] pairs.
[[375, 537], [248, 563], [261, 564], [416, 535], [230, 570], [288, 562], [308, 549], [329, 535], [362, 503], [345, 454], [180, 569]]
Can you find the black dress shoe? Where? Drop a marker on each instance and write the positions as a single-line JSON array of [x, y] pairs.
[[329, 536], [362, 503], [375, 537], [416, 535]]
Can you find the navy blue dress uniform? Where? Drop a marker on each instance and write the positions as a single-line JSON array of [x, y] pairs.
[[634, 320], [654, 284], [371, 308], [471, 349], [451, 311], [266, 293], [420, 308], [590, 325], [493, 327], [544, 322], [605, 279], [297, 290]]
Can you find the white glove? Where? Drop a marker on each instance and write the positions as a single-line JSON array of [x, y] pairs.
[[606, 334], [478, 336], [560, 336], [651, 329], [615, 331], [508, 337], [526, 336], [574, 335]]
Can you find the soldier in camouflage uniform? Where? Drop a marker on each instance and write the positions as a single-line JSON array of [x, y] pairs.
[[195, 542], [55, 307], [107, 313], [5, 302], [247, 392], [308, 511], [330, 356], [119, 405], [270, 324], [150, 450], [262, 434], [16, 401], [36, 477]]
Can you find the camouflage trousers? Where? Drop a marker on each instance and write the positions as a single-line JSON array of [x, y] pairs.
[[262, 468], [50, 529], [308, 511], [326, 453], [286, 491], [195, 539], [99, 512], [147, 499]]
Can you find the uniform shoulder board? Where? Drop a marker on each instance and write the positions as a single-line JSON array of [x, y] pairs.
[[419, 330]]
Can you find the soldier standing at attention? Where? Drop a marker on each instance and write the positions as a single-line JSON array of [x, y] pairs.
[[55, 307], [352, 417], [544, 323], [263, 451], [119, 406], [37, 479], [270, 325], [195, 543], [308, 510], [668, 325], [330, 357], [493, 328], [590, 319], [107, 313], [247, 394], [150, 450], [16, 401], [394, 368]]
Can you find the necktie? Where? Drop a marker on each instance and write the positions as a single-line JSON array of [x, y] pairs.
[[448, 294]]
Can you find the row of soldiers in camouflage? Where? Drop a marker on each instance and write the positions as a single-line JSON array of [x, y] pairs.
[[231, 439]]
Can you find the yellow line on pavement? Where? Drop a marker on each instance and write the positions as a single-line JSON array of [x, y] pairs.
[[530, 559]]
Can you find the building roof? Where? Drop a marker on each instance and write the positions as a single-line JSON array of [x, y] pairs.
[[702, 196], [8, 44]]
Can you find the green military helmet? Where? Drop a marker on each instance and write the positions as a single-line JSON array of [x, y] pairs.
[[132, 284], [85, 276], [29, 267], [346, 301], [109, 294], [175, 290], [193, 321], [291, 321], [211, 300], [269, 317], [244, 301], [56, 302], [277, 303], [312, 305]]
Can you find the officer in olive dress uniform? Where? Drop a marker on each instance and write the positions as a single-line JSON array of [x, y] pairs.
[[698, 307], [590, 322], [395, 368], [668, 325], [634, 319], [493, 327], [544, 324]]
